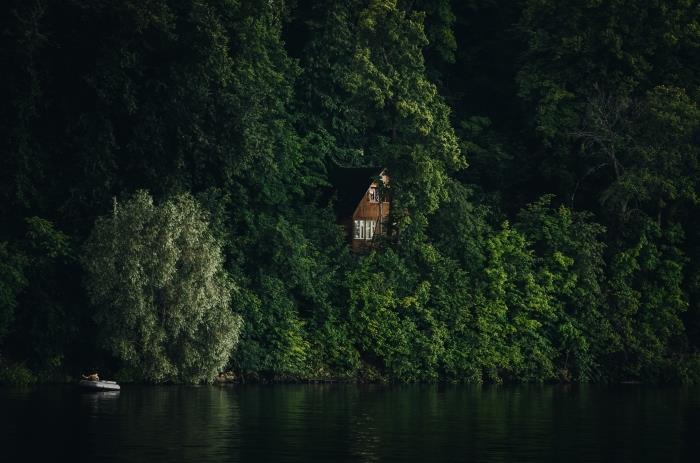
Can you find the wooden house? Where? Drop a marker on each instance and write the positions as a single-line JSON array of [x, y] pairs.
[[362, 204]]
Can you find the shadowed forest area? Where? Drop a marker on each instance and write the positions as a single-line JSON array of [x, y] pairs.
[[164, 178]]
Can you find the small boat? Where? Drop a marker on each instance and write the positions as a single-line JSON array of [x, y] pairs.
[[99, 385]]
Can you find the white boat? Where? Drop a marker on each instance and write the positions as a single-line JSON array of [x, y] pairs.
[[99, 385]]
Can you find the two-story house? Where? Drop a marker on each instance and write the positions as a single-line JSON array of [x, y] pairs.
[[361, 204]]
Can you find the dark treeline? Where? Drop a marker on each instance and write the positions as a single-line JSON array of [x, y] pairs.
[[544, 164]]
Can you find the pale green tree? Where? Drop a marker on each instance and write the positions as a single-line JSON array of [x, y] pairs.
[[163, 300]]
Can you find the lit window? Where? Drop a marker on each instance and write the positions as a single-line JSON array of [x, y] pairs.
[[359, 230], [370, 228], [373, 195], [364, 229]]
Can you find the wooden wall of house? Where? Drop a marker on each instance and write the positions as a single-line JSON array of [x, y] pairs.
[[367, 210]]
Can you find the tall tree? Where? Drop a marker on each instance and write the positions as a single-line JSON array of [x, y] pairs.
[[163, 300], [366, 83]]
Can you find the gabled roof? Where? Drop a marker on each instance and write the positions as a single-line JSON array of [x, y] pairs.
[[350, 184]]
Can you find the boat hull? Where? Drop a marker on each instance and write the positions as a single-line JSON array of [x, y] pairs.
[[99, 385]]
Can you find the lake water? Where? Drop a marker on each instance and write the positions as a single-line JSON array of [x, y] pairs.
[[332, 423]]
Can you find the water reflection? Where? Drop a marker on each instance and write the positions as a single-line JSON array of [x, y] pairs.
[[353, 423], [98, 403], [186, 424]]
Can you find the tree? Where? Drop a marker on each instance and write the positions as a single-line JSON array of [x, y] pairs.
[[163, 301], [366, 84], [394, 327], [12, 281], [47, 322], [602, 79], [646, 303], [569, 254]]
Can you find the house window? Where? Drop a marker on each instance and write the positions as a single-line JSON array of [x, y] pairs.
[[364, 229], [370, 228], [359, 233], [373, 194]]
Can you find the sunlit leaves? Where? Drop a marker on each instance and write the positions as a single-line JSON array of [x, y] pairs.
[[162, 299]]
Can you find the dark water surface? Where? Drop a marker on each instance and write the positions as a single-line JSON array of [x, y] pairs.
[[311, 423]]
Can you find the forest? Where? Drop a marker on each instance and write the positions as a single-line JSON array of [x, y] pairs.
[[164, 168]]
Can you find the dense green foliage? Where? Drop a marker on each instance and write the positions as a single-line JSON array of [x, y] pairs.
[[156, 276], [544, 161]]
